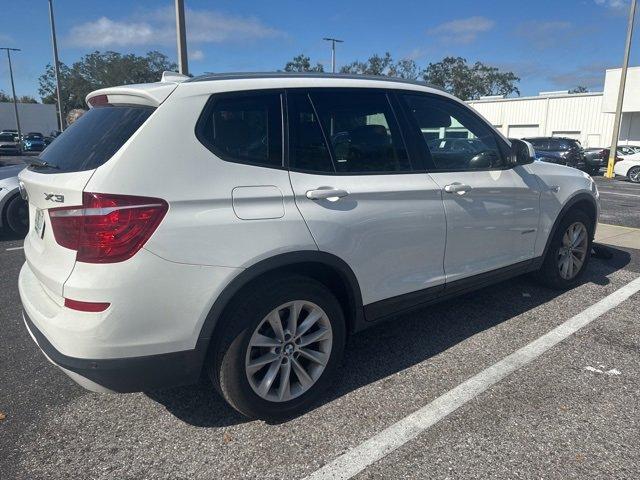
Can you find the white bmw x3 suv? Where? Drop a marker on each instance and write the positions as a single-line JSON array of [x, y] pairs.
[[243, 225]]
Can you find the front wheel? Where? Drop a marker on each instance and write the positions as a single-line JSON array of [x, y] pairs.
[[634, 174], [283, 343], [569, 252]]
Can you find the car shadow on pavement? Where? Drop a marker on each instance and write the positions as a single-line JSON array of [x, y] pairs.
[[400, 343]]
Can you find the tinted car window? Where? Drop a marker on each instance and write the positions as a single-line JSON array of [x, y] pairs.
[[539, 143], [362, 132], [455, 138], [6, 137], [309, 150], [94, 138], [244, 128]]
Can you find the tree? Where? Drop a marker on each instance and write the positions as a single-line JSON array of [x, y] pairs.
[[302, 63], [99, 70], [469, 82], [579, 89], [27, 99], [4, 97], [384, 65]]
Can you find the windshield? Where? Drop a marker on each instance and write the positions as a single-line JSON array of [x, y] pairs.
[[94, 138], [7, 137]]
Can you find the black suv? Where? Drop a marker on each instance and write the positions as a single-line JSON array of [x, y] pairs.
[[561, 150]]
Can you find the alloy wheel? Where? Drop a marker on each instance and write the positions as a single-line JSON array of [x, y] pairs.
[[288, 351], [634, 175], [573, 251]]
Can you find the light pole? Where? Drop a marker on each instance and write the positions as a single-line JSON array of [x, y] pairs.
[[333, 51], [56, 66], [13, 90], [182, 38], [623, 81]]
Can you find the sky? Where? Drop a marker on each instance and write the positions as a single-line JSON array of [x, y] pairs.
[[549, 44]]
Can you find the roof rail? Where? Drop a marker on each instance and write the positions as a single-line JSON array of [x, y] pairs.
[[349, 76]]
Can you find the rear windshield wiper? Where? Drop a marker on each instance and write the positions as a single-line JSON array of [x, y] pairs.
[[37, 162]]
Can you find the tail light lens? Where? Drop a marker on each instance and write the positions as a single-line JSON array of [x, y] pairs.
[[107, 228]]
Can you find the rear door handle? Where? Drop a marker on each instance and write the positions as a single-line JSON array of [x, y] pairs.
[[456, 187], [326, 193]]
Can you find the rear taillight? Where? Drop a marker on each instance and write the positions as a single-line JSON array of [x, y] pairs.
[[107, 228]]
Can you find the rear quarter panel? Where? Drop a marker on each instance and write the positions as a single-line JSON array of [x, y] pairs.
[[164, 159]]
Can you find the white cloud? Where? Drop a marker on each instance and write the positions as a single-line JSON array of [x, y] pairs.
[[158, 28], [196, 55], [464, 30], [615, 4]]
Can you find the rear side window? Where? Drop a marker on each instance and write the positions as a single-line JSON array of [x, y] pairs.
[[244, 128], [360, 130], [94, 138], [539, 144]]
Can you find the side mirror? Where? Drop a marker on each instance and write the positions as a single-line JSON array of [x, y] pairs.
[[522, 153]]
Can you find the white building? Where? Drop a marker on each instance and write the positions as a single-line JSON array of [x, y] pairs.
[[34, 117], [587, 117]]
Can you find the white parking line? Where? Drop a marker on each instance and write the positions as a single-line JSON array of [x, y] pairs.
[[616, 193], [375, 448], [14, 248]]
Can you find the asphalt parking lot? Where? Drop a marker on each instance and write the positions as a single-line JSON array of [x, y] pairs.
[[573, 411]]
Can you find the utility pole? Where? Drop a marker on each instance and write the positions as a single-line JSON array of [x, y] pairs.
[[183, 66], [333, 51], [13, 90], [623, 81], [56, 66]]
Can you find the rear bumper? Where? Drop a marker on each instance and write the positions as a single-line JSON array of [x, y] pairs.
[[131, 374]]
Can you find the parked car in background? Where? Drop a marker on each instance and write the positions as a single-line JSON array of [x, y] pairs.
[[560, 150], [629, 152], [598, 158], [630, 168], [9, 144], [251, 259], [14, 212], [33, 142]]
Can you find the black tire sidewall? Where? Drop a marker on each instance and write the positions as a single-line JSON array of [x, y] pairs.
[[240, 323], [629, 174], [12, 216], [549, 273]]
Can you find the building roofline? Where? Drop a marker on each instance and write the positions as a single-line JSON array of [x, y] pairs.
[[340, 76], [536, 97]]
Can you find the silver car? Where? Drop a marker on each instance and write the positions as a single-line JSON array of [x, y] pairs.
[[14, 213], [9, 144]]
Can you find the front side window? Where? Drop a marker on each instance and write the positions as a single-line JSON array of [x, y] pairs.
[[244, 128], [455, 138], [359, 126]]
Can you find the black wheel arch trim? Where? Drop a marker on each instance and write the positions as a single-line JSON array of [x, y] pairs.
[[280, 261], [568, 205]]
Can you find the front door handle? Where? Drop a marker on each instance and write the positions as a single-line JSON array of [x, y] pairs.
[[326, 193], [456, 187]]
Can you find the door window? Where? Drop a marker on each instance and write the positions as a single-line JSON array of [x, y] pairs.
[[358, 126], [455, 138], [244, 128]]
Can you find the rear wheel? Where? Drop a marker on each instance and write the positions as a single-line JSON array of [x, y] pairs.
[[569, 251], [17, 215], [282, 345], [634, 174]]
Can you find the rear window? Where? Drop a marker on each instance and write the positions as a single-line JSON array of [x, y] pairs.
[[94, 138]]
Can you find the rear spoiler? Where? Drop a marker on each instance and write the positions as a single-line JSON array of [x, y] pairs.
[[148, 94]]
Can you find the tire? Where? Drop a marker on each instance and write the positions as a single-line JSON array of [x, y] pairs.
[[249, 320], [634, 174], [554, 272], [17, 215]]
